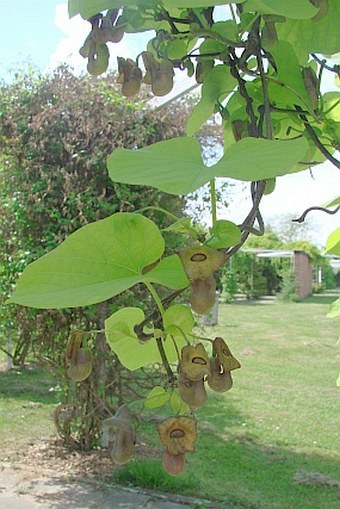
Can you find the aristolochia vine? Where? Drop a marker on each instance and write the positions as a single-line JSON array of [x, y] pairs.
[[261, 67]]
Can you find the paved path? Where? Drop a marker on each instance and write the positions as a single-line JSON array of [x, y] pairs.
[[19, 491]]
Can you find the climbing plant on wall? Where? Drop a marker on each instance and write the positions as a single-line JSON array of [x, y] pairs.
[[261, 65]]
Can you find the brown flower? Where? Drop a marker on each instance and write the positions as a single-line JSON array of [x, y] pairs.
[[219, 380], [203, 294], [130, 76], [160, 75], [178, 434], [224, 356], [201, 261], [173, 464], [78, 358], [124, 441], [194, 363], [192, 392]]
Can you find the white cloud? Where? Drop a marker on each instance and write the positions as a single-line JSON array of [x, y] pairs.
[[75, 31]]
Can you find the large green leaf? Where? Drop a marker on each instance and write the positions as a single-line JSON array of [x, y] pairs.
[[168, 272], [332, 203], [224, 234], [178, 321], [317, 35], [98, 261], [259, 159], [217, 85], [331, 103], [133, 353], [295, 9], [88, 8], [333, 243], [194, 4], [177, 404], [157, 397], [289, 73], [176, 167]]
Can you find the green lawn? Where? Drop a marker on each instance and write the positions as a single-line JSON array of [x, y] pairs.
[[281, 419], [27, 400]]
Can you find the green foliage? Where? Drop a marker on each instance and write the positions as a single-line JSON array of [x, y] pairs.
[[287, 292], [217, 85], [224, 234], [309, 248], [133, 353], [175, 166], [333, 243], [55, 134], [269, 240], [259, 72], [157, 397], [229, 285], [99, 261]]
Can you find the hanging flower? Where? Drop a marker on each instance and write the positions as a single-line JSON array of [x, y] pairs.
[[178, 434], [194, 363]]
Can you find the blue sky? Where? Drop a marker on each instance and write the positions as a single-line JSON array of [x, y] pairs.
[[43, 35], [29, 32]]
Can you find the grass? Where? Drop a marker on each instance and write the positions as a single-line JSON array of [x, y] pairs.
[[280, 419], [27, 400]]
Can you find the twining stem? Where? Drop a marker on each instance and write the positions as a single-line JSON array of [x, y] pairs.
[[310, 209], [269, 125], [316, 140], [171, 376], [213, 201], [155, 297], [176, 347], [159, 341]]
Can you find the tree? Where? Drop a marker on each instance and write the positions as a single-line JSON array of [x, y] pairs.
[[261, 65], [55, 134], [289, 231]]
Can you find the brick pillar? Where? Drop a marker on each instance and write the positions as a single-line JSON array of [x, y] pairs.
[[303, 274]]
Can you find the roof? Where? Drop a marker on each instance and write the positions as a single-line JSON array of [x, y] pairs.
[[270, 253]]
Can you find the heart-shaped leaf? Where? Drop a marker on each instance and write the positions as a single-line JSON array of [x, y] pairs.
[[178, 320], [194, 4], [97, 262], [320, 32], [216, 86], [303, 9], [157, 397], [333, 243], [333, 203], [177, 404], [224, 234], [176, 167], [88, 8], [133, 353]]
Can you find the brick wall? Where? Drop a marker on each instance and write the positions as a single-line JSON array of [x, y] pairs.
[[303, 274]]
